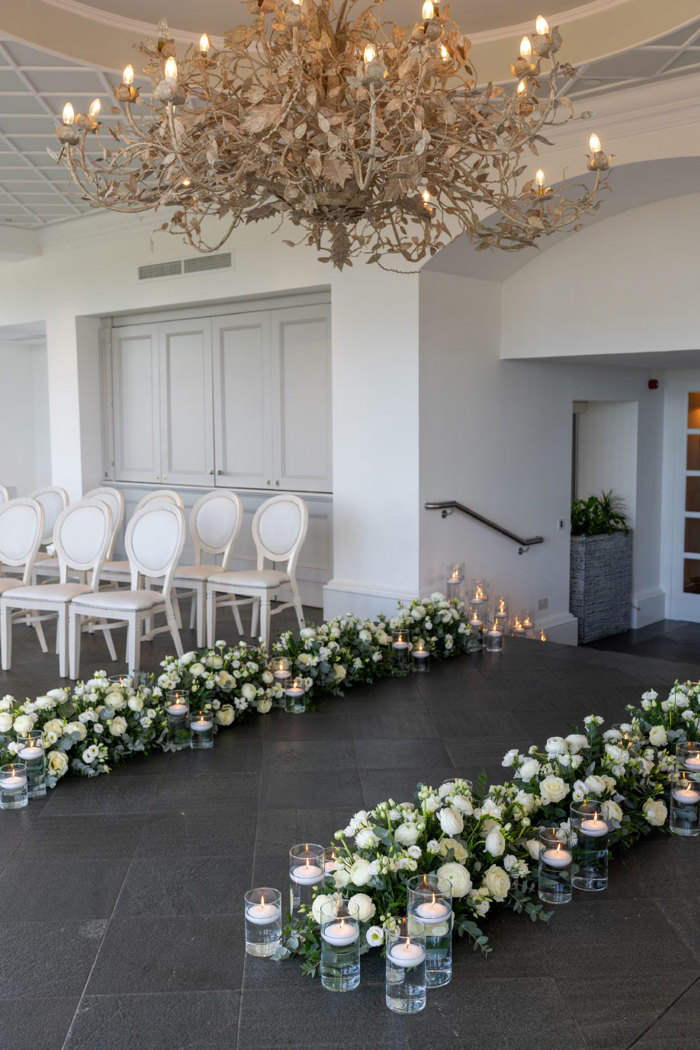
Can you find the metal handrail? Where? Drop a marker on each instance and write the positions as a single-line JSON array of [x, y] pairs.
[[451, 505]]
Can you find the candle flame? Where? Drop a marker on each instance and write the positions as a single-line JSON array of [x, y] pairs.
[[262, 898], [433, 898], [558, 847]]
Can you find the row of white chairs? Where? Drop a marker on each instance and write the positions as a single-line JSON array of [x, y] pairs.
[[84, 537]]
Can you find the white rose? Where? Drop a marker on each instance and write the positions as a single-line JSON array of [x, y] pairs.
[[5, 722], [405, 835], [24, 723], [495, 843], [360, 872], [553, 789], [463, 804], [366, 839], [77, 727], [196, 669], [533, 848], [655, 812], [225, 715], [319, 900], [135, 703], [187, 658], [611, 810], [594, 785], [460, 852], [576, 742], [340, 672], [650, 694], [451, 821], [341, 878], [57, 763], [365, 905], [457, 876], [528, 769], [117, 726], [509, 757], [116, 700], [263, 705], [556, 745], [248, 691], [497, 882], [657, 736]]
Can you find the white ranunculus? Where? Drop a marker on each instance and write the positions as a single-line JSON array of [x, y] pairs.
[[319, 900], [116, 700], [225, 715], [463, 804], [451, 821], [117, 726], [366, 908], [611, 810], [24, 723], [509, 757], [375, 936], [135, 703], [366, 839], [186, 658], [460, 852], [406, 834], [528, 769], [248, 691], [576, 742], [533, 848], [197, 669], [556, 745], [360, 872], [5, 722], [339, 672], [553, 789], [495, 843], [458, 877], [263, 705], [655, 812], [56, 763], [497, 882], [77, 727], [657, 736], [341, 878], [594, 785]]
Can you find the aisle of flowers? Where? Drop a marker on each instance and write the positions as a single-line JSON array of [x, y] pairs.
[[482, 838]]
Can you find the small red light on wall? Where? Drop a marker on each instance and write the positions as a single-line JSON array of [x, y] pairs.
[[653, 384]]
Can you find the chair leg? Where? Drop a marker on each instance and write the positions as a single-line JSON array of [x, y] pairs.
[[211, 615], [237, 619], [6, 636], [254, 618], [176, 610], [108, 640], [173, 625], [133, 642], [74, 642], [265, 621], [194, 611], [62, 642], [198, 606], [36, 624], [296, 598]]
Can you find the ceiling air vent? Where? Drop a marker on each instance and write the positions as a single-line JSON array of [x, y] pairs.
[[203, 263], [165, 269]]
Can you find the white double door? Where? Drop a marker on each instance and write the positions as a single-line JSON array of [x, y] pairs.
[[240, 400], [681, 502]]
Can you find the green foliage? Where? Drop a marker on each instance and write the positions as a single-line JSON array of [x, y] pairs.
[[598, 515]]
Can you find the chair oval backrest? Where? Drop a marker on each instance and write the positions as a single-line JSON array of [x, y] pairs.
[[215, 523], [115, 501], [4, 494], [82, 535], [154, 540], [158, 495], [53, 500], [279, 529], [21, 529]]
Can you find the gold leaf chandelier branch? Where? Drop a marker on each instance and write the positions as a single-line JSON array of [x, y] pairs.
[[371, 138]]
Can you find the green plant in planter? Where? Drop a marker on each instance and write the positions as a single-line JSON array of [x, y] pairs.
[[598, 515]]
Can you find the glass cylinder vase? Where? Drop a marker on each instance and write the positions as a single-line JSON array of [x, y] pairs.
[[494, 638], [307, 870], [340, 945], [400, 649], [688, 759], [295, 694], [589, 842], [263, 921], [420, 657], [406, 991], [201, 730], [455, 579], [177, 712], [554, 874], [684, 809], [430, 903], [31, 752], [13, 786]]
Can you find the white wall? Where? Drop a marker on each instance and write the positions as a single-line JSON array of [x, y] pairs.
[[496, 436], [24, 449], [607, 452]]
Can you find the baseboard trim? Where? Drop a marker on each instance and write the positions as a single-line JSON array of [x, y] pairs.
[[648, 607], [362, 599], [561, 627]]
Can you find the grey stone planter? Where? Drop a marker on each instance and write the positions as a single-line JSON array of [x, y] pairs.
[[600, 593]]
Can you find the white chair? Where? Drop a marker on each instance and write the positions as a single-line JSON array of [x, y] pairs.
[[21, 529], [53, 499], [82, 535], [154, 540], [279, 529], [115, 501], [4, 494], [120, 571], [215, 522]]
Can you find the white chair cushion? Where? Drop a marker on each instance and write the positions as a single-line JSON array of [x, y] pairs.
[[49, 592], [196, 572], [7, 585], [267, 579], [122, 601]]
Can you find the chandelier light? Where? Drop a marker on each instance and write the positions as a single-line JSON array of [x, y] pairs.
[[372, 139]]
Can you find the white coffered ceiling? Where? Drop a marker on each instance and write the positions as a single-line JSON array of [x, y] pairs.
[[35, 82]]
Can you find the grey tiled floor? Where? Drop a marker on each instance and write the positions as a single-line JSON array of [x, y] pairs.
[[120, 898]]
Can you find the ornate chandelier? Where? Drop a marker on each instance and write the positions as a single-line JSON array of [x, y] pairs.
[[372, 139]]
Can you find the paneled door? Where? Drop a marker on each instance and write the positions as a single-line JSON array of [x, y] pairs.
[[135, 386], [684, 405], [186, 402]]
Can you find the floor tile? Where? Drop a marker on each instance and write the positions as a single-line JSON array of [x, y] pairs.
[[46, 958], [60, 888], [193, 885], [39, 1024]]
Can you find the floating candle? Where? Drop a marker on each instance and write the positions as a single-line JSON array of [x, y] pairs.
[[686, 796], [200, 725], [31, 752], [177, 709], [306, 874], [595, 827], [692, 762], [13, 783], [340, 933], [556, 858], [262, 914], [432, 912], [406, 954]]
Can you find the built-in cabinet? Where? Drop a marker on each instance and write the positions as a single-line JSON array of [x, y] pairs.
[[240, 400]]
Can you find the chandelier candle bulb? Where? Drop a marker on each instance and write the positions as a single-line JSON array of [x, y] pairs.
[[204, 45], [541, 26], [427, 11], [128, 76], [68, 114], [525, 48], [369, 54], [171, 73]]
